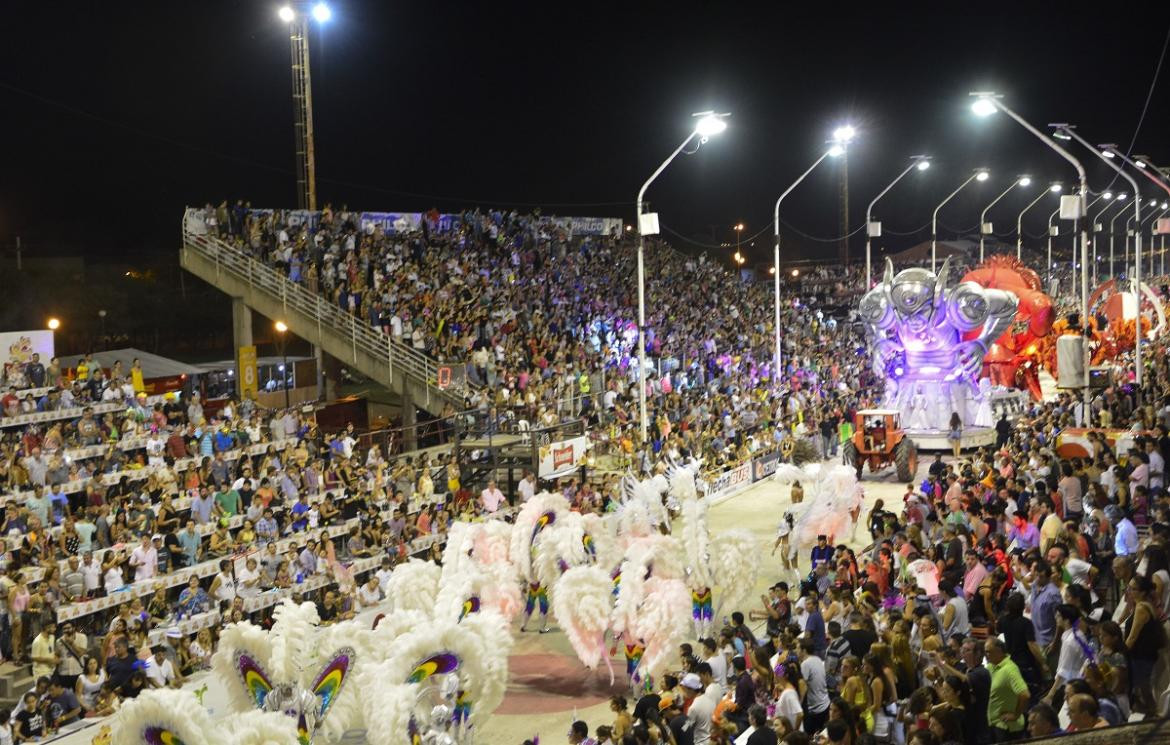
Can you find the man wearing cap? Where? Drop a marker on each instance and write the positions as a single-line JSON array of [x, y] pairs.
[[144, 559], [699, 711]]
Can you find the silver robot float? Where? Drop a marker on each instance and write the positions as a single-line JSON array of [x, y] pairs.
[[929, 342]]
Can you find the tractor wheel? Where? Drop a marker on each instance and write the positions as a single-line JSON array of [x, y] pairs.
[[852, 457], [906, 459]]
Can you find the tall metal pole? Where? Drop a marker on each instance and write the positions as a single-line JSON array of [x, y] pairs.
[[934, 217], [303, 113], [1048, 267], [1082, 194], [916, 162], [1137, 214], [843, 208], [1020, 221], [776, 258], [1125, 246], [642, 288], [1097, 229], [983, 216]]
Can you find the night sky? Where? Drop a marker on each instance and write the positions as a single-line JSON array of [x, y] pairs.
[[116, 115]]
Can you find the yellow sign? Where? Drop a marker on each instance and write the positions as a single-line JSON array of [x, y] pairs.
[[246, 367]]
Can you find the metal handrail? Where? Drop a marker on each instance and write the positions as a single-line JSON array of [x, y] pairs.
[[399, 357]]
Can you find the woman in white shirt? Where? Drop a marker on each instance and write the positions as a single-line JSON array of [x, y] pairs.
[[223, 587], [248, 580], [370, 594]]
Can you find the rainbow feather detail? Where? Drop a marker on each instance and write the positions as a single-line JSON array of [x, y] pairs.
[[471, 605], [701, 604], [331, 677], [590, 548], [439, 664], [462, 708], [160, 736], [255, 682], [547, 518]]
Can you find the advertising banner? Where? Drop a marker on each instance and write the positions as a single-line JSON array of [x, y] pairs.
[[247, 380], [559, 458], [765, 465], [17, 347], [730, 480]]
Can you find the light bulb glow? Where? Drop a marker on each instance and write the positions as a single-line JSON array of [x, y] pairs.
[[836, 151], [983, 107], [54, 324], [286, 14], [1140, 163], [1025, 181], [281, 327], [1107, 196], [844, 134], [710, 125], [923, 165], [1107, 154], [322, 13], [982, 176], [1056, 188], [1122, 197]]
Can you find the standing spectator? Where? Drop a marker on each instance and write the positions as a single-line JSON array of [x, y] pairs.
[[1008, 697]]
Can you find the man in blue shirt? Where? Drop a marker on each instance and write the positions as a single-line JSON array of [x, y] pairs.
[[191, 544], [202, 506], [38, 505], [59, 503], [300, 511], [814, 626], [1045, 599], [822, 552]]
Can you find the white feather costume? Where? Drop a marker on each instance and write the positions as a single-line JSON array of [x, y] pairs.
[[413, 586], [180, 716], [582, 605], [537, 515]]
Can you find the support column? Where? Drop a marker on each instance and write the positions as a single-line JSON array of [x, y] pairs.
[[241, 337], [409, 420], [319, 356]]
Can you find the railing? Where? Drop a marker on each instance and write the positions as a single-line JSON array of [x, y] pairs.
[[400, 358]]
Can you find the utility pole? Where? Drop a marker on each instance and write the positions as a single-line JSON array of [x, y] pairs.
[[303, 113]]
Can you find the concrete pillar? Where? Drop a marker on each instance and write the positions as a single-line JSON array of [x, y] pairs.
[[241, 335], [409, 420], [319, 355]]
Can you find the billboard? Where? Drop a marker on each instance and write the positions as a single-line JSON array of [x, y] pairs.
[[17, 347]]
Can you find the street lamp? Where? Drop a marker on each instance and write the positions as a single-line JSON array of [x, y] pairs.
[[987, 103], [1118, 201], [738, 228], [1054, 188], [281, 329], [980, 174], [874, 230], [841, 138], [302, 91], [53, 324], [985, 228], [707, 124]]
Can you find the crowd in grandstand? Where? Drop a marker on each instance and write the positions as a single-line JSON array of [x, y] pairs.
[[186, 518], [540, 318]]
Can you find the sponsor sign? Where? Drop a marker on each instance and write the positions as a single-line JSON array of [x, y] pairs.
[[730, 480], [765, 465], [247, 374], [561, 457], [17, 347]]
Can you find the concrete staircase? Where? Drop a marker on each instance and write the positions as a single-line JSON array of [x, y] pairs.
[[15, 681], [399, 367]]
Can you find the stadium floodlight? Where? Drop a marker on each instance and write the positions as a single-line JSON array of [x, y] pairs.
[[286, 14], [707, 124], [842, 136], [322, 13]]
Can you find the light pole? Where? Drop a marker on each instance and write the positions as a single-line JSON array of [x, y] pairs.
[[874, 230], [302, 93], [980, 174], [1054, 188], [1120, 201], [1150, 221], [841, 138], [738, 228], [707, 123], [987, 103], [1096, 228], [281, 329], [985, 227]]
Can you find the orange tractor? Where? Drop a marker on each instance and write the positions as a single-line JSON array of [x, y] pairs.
[[879, 440]]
